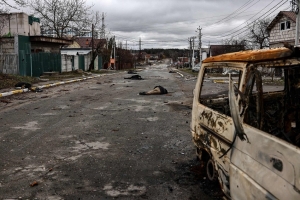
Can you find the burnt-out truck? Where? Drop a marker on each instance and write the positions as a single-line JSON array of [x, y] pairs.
[[246, 122]]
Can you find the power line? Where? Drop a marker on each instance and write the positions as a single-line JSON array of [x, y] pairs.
[[236, 11], [234, 32]]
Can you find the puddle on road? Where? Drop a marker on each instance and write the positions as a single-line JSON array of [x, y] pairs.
[[33, 168], [48, 114], [73, 158], [27, 171], [61, 107], [149, 119], [103, 106], [31, 126], [82, 146], [116, 189]]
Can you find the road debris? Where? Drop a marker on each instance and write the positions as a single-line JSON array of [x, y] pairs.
[[22, 85], [34, 183], [131, 72], [5, 101], [134, 77]]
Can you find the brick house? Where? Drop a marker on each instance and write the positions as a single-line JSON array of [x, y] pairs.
[[282, 29]]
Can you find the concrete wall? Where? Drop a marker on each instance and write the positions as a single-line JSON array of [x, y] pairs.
[[7, 45], [9, 64], [18, 24]]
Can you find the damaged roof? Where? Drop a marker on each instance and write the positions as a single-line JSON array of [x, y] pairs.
[[252, 55]]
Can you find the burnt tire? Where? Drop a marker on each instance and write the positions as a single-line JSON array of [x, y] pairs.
[[211, 171]]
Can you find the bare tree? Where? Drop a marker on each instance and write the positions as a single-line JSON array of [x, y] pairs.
[[100, 46], [3, 23], [258, 35], [234, 45], [63, 17], [5, 3]]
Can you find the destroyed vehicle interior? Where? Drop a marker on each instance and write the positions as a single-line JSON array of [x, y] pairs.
[[270, 100]]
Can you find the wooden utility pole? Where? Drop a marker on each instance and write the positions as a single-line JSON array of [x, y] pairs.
[[93, 53], [200, 45], [114, 53], [297, 23], [190, 52]]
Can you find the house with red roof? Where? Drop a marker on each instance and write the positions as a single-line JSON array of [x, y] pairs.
[[79, 54]]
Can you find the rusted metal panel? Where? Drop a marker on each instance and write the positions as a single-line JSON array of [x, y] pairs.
[[251, 55]]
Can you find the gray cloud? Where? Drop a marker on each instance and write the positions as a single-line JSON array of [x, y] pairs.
[[169, 23]]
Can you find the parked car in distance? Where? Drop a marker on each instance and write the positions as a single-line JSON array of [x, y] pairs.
[[196, 68]]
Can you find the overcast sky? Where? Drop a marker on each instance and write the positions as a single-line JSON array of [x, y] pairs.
[[169, 23]]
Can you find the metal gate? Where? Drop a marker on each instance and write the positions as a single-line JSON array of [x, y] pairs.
[[45, 62], [34, 64], [81, 62]]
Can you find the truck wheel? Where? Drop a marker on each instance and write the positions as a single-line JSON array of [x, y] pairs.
[[211, 172]]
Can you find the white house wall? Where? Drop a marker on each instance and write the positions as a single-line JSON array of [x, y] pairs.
[[87, 60], [66, 62], [76, 63], [96, 63]]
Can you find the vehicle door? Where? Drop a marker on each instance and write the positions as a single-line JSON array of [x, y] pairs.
[[211, 123], [265, 165]]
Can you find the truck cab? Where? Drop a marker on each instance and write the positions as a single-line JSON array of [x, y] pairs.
[[246, 122]]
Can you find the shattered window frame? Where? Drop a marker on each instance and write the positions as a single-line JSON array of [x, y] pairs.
[[218, 101], [279, 111]]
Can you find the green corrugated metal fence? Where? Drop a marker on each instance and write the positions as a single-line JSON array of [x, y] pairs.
[[81, 62], [45, 62], [34, 64]]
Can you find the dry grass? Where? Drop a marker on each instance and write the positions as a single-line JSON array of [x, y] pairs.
[[8, 80]]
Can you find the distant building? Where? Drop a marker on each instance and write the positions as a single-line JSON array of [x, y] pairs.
[[19, 24], [215, 50]]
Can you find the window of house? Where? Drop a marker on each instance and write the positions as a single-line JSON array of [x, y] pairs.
[[285, 25], [288, 25]]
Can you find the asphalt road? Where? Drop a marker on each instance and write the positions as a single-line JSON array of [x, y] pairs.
[[99, 139]]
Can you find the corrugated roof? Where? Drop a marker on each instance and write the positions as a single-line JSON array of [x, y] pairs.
[[74, 52], [86, 42], [251, 55]]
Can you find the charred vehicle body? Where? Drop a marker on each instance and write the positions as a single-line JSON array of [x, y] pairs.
[[246, 125]]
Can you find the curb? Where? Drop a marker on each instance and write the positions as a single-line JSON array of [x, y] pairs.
[[223, 81], [4, 94], [180, 74]]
